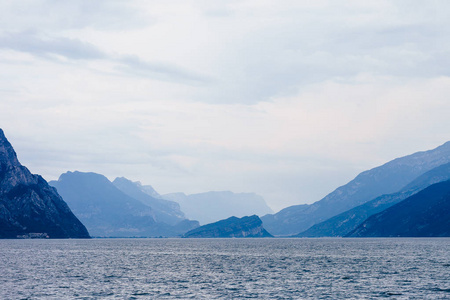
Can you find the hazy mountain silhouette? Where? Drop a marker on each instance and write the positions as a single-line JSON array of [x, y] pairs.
[[164, 210], [108, 212], [345, 222], [149, 190], [386, 179], [425, 214], [213, 206], [29, 207]]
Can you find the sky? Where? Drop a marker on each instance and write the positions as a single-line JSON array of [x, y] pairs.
[[287, 99]]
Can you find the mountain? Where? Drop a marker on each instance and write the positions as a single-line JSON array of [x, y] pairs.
[[108, 212], [425, 214], [213, 206], [149, 190], [164, 210], [286, 221], [29, 207], [386, 179], [345, 222], [232, 227]]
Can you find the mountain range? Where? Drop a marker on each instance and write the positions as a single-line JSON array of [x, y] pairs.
[[408, 196], [108, 211], [344, 223], [386, 179], [213, 206], [425, 214], [164, 210]]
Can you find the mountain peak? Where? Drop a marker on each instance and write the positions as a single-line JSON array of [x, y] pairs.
[[7, 153], [29, 206], [88, 177]]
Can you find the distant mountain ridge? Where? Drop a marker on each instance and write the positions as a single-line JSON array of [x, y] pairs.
[[213, 206], [108, 212], [29, 207], [164, 210], [408, 196], [149, 190], [425, 214], [344, 223], [233, 227], [386, 179]]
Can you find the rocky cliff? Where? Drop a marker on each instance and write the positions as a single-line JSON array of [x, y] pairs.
[[29, 207]]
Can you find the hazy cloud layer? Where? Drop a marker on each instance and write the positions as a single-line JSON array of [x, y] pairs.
[[54, 15], [161, 71], [69, 48], [63, 49], [288, 100]]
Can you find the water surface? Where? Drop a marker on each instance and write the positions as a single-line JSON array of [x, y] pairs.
[[225, 269]]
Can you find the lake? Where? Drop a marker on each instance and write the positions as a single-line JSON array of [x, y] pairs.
[[403, 268]]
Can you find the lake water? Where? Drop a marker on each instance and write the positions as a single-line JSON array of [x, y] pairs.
[[225, 268]]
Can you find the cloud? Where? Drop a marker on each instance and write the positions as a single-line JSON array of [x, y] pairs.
[[50, 15], [135, 66], [291, 150], [241, 52], [286, 99], [280, 50], [73, 49], [46, 47]]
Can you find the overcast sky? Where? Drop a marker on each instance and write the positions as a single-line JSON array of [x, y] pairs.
[[287, 99]]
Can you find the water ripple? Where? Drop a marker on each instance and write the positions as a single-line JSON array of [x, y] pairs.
[[225, 269]]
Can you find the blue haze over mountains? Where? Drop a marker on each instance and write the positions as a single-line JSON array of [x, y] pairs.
[[386, 179], [338, 214], [164, 210], [123, 208], [212, 206], [408, 196], [425, 214], [109, 212], [344, 223]]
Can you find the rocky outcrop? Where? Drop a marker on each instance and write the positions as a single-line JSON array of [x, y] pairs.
[[245, 227], [29, 207]]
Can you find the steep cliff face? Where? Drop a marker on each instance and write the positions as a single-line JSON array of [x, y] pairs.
[[231, 228], [29, 207]]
